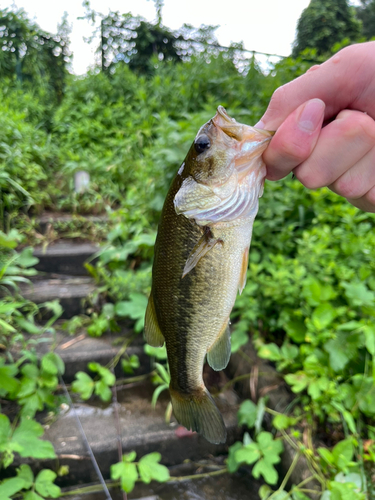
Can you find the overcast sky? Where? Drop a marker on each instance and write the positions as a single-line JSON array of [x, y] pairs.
[[263, 25]]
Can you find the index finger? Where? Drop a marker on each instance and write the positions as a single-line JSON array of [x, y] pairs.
[[342, 82]]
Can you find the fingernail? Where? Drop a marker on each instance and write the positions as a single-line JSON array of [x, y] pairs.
[[312, 115], [260, 124]]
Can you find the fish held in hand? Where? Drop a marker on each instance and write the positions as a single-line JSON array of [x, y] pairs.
[[201, 259]]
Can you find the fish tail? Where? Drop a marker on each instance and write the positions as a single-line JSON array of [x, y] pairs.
[[198, 412]]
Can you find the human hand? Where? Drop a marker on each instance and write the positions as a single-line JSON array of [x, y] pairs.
[[341, 154]]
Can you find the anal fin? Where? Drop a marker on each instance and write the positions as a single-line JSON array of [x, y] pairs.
[[244, 266], [219, 354], [152, 331], [204, 245]]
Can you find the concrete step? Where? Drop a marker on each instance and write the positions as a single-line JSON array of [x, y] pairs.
[[78, 351], [143, 430], [238, 486], [65, 257], [71, 291]]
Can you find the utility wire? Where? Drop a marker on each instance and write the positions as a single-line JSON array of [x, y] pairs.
[[85, 440]]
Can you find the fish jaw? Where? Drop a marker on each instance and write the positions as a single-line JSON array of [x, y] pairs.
[[237, 197]]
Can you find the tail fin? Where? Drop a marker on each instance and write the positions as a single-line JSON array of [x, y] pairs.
[[198, 412]]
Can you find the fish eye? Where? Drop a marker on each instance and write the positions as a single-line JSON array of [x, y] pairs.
[[202, 143]]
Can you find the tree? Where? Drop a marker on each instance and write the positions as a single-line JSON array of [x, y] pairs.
[[366, 13], [28, 53], [324, 23]]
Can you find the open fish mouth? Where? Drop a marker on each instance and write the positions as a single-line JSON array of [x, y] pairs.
[[251, 141]]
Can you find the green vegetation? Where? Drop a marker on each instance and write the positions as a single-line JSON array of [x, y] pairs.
[[309, 303]]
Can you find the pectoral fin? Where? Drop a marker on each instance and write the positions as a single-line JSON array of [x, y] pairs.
[[244, 266], [219, 354], [152, 332], [204, 245]]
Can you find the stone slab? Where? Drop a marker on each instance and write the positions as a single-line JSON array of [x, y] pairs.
[[143, 430], [70, 291], [65, 257]]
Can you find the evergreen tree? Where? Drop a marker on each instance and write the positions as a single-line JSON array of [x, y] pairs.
[[324, 23], [366, 13]]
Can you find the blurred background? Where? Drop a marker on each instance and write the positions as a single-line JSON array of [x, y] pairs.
[[98, 108]]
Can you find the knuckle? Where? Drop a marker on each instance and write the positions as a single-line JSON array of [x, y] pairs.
[[307, 175], [357, 125], [348, 186]]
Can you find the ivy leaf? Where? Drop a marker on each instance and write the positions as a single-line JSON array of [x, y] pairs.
[[270, 447], [83, 384], [127, 473], [149, 468], [44, 484], [299, 381]]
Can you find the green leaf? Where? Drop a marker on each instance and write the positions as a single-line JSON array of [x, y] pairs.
[[84, 385], [270, 448], [358, 294], [323, 316], [25, 473], [343, 453], [5, 431], [248, 454], [26, 442], [31, 495], [269, 351], [103, 391], [232, 463], [296, 330], [337, 351], [264, 492], [247, 413], [106, 374], [326, 455], [149, 468], [127, 473], [9, 487], [370, 339], [265, 469], [44, 484], [157, 352], [238, 339], [129, 457], [131, 364], [283, 421], [298, 381], [8, 382], [53, 364], [26, 258]]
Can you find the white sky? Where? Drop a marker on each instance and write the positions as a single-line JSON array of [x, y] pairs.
[[263, 25]]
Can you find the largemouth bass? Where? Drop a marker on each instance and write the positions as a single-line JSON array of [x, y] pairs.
[[201, 260]]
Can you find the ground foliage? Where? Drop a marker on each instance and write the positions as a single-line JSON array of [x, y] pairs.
[[309, 303]]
